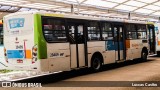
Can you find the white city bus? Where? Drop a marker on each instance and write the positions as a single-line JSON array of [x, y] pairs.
[[157, 34], [63, 42]]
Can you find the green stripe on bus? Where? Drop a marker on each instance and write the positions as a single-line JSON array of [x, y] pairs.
[[38, 37]]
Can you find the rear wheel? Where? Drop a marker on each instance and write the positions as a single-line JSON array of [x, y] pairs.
[[144, 55], [96, 63]]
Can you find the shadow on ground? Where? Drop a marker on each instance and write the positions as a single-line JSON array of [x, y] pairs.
[[52, 78]]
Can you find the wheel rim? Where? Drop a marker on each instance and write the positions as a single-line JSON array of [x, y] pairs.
[[96, 64]]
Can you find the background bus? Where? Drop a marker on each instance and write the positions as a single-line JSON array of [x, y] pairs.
[[1, 33], [2, 60], [58, 42], [157, 33]]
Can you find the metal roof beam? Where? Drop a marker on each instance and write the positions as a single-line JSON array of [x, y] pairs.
[[120, 4], [67, 5], [144, 5], [83, 1]]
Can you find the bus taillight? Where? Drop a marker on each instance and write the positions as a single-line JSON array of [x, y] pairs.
[[34, 54], [35, 49], [4, 49], [5, 55], [19, 61]]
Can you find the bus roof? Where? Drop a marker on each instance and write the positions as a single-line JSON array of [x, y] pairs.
[[74, 16]]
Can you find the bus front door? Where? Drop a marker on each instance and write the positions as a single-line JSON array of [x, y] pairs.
[[119, 42], [77, 44]]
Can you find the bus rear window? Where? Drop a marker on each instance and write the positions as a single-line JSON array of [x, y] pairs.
[[54, 29]]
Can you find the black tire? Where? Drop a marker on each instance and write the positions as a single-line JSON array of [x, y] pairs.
[[96, 64], [144, 55]]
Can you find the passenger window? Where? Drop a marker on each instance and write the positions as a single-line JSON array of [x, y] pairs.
[[72, 34], [54, 30], [142, 31], [131, 31], [107, 31], [80, 36], [93, 31]]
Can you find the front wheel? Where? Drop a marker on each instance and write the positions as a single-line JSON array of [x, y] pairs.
[[144, 55], [96, 64]]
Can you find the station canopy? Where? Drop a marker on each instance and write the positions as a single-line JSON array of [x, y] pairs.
[[134, 9]]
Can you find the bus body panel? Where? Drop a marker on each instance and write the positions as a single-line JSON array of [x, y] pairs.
[[58, 56], [39, 40], [110, 54], [134, 48], [73, 56], [93, 47], [81, 54], [109, 57], [19, 41]]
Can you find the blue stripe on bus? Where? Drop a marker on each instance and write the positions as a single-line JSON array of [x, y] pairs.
[[120, 47], [15, 54], [111, 45]]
